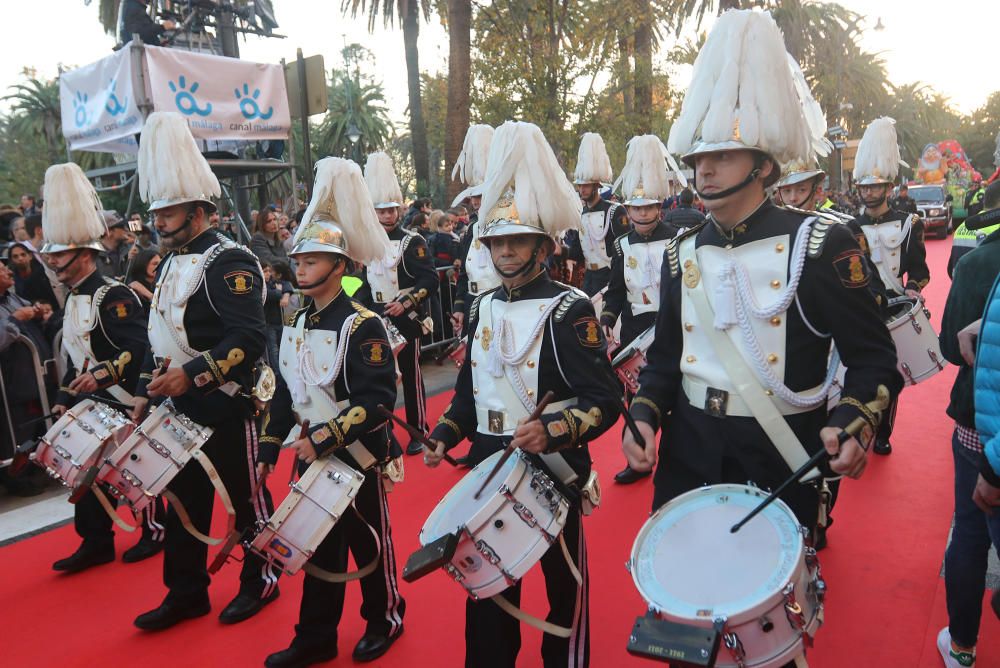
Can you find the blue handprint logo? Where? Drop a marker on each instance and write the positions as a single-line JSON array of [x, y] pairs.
[[185, 100], [248, 104], [113, 105], [80, 116]]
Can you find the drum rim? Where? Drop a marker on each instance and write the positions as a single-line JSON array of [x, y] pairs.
[[736, 617]]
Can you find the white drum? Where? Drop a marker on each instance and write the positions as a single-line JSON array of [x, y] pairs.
[[74, 443], [630, 360], [148, 460], [916, 341], [506, 531], [762, 581], [314, 505]]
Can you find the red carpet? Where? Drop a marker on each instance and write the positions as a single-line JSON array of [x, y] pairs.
[[885, 606]]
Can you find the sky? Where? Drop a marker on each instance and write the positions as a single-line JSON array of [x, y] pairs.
[[947, 45]]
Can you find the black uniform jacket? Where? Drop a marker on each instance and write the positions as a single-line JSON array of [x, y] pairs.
[[118, 341], [224, 319], [366, 379], [833, 294], [415, 270], [581, 350]]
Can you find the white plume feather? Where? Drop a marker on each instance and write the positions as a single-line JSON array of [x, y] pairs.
[[878, 152], [341, 194], [72, 213], [470, 168], [521, 157], [996, 152], [811, 110], [646, 167], [592, 162], [741, 90], [381, 178], [170, 164]]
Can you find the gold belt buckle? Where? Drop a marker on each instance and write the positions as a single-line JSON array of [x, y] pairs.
[[378, 297], [495, 419], [593, 266], [716, 402], [473, 287]]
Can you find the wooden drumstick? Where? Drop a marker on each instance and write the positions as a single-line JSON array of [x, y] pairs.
[[414, 433], [509, 450], [303, 433]]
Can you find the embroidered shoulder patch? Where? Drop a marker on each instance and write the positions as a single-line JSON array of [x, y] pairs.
[[852, 269], [588, 331], [121, 309], [239, 282], [375, 352], [421, 251]]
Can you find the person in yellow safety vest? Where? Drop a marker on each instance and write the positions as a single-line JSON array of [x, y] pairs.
[[965, 240]]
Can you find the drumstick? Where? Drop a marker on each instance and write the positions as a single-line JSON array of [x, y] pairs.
[[629, 420], [880, 403], [509, 450], [414, 433], [303, 433]]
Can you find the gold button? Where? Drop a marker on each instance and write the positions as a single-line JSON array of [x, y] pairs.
[[772, 358], [475, 390], [541, 307], [194, 260], [779, 248], [87, 336], [531, 364], [531, 393], [325, 367], [776, 320], [687, 263], [179, 328], [769, 393], [477, 336], [329, 340], [150, 328], [473, 362], [688, 327], [775, 284], [691, 359]]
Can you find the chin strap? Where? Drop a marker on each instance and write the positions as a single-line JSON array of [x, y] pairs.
[[310, 286], [187, 222], [76, 256], [525, 268], [751, 177]]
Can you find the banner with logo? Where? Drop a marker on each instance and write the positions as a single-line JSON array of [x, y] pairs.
[[99, 111], [222, 98]]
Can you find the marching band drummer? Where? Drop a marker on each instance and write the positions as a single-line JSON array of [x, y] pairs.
[[752, 298], [338, 367], [634, 289], [528, 337], [104, 330], [397, 286], [893, 239], [207, 316]]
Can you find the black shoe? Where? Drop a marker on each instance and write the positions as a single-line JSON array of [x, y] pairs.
[[373, 645], [414, 448], [245, 606], [171, 613], [22, 487], [144, 549], [85, 557], [883, 448], [299, 656], [627, 476], [463, 462]]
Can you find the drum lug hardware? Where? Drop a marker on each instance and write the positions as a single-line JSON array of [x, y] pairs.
[[916, 325], [735, 647], [934, 358], [792, 609], [820, 590], [906, 372], [488, 552], [453, 572]]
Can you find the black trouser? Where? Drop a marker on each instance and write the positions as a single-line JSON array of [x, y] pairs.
[[413, 384], [595, 280], [493, 637], [94, 525], [382, 607], [233, 451], [888, 420]]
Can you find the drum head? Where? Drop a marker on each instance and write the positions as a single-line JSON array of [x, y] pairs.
[[459, 506], [687, 564]]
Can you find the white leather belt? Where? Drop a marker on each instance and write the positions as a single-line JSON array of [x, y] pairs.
[[733, 405], [503, 423]]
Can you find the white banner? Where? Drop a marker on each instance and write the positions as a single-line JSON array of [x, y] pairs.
[[222, 98], [99, 111]]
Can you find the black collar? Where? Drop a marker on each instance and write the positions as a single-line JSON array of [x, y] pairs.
[[526, 290]]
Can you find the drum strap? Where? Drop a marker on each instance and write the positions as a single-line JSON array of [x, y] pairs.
[[800, 661], [535, 622], [749, 388], [110, 510], [327, 576], [182, 513]]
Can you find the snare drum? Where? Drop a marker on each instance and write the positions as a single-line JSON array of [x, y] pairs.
[[762, 581], [917, 345], [315, 504], [503, 533], [630, 360], [148, 460], [75, 441]]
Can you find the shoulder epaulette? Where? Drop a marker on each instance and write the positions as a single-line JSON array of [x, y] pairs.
[[673, 257], [567, 302], [363, 314], [818, 234], [293, 318]]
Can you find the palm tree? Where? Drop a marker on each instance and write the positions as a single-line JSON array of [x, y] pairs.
[[408, 13], [107, 11], [459, 78], [36, 112], [364, 103]]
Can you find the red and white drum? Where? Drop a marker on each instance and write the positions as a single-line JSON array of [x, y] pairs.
[[74, 443], [762, 583], [143, 465]]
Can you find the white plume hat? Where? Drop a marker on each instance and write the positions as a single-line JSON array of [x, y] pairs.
[[382, 182], [526, 190], [592, 162], [645, 179], [72, 216], [341, 217], [742, 95], [470, 168], [877, 160], [171, 168]]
